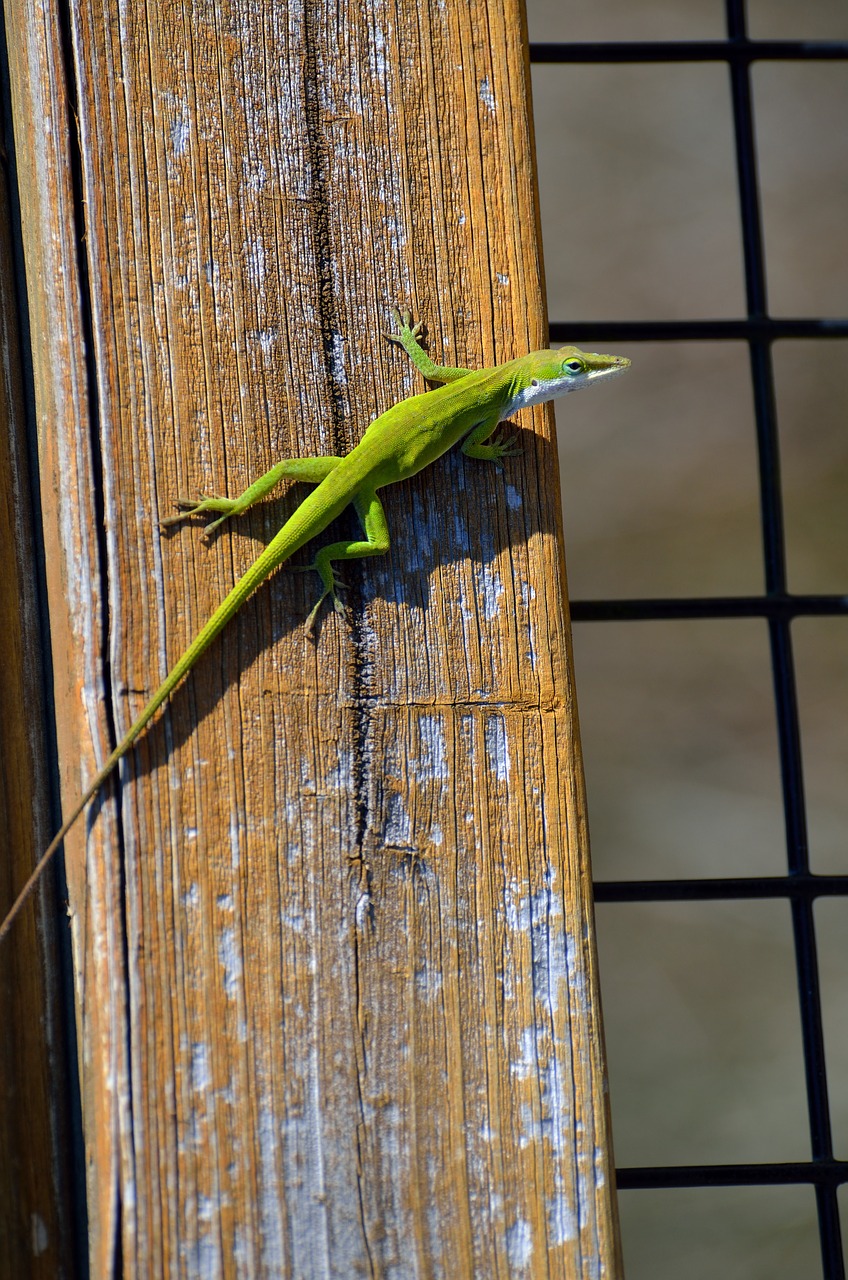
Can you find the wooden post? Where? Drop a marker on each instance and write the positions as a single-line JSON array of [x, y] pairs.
[[336, 980], [35, 1181]]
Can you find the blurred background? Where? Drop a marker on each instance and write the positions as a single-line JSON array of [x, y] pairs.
[[640, 221]]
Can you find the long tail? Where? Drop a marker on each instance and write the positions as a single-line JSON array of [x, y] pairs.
[[279, 549]]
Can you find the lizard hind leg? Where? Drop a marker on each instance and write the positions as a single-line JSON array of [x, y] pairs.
[[375, 543]]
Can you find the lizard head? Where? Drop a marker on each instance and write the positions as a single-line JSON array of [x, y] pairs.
[[544, 375]]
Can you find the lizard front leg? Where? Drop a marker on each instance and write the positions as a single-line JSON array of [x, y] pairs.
[[407, 337]]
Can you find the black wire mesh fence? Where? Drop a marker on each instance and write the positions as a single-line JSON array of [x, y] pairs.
[[800, 887]]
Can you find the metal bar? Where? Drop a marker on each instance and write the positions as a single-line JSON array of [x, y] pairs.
[[824, 1173], [722, 888], [742, 52], [755, 328], [783, 666], [782, 607]]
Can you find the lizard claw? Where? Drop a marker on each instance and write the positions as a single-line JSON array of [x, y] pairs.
[[185, 507], [313, 612], [407, 330], [505, 447]]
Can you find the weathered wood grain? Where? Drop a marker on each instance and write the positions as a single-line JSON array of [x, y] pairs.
[[37, 1199], [336, 981], [35, 1230]]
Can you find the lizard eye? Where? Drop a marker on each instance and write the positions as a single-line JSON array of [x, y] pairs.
[[573, 366]]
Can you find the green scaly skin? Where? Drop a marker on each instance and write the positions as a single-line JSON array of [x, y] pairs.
[[467, 407]]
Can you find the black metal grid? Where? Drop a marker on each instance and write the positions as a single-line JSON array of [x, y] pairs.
[[800, 887]]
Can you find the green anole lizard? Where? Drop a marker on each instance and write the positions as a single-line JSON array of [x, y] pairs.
[[468, 406]]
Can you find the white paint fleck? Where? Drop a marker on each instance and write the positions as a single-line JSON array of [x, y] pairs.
[[180, 132], [302, 1161], [38, 1234], [337, 365], [600, 1161], [129, 1195], [429, 983], [497, 748], [341, 776], [378, 54], [230, 960], [562, 1220], [527, 595], [295, 919], [254, 253], [437, 835], [363, 910], [270, 1197], [396, 233], [533, 1127], [554, 966], [398, 826], [255, 173], [460, 533], [490, 588], [200, 1075], [487, 96], [242, 1243], [547, 1114], [513, 497], [432, 763], [519, 1245], [266, 338], [525, 1064], [207, 1259], [502, 277], [235, 840], [420, 555]]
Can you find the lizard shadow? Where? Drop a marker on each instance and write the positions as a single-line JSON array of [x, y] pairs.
[[459, 511]]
